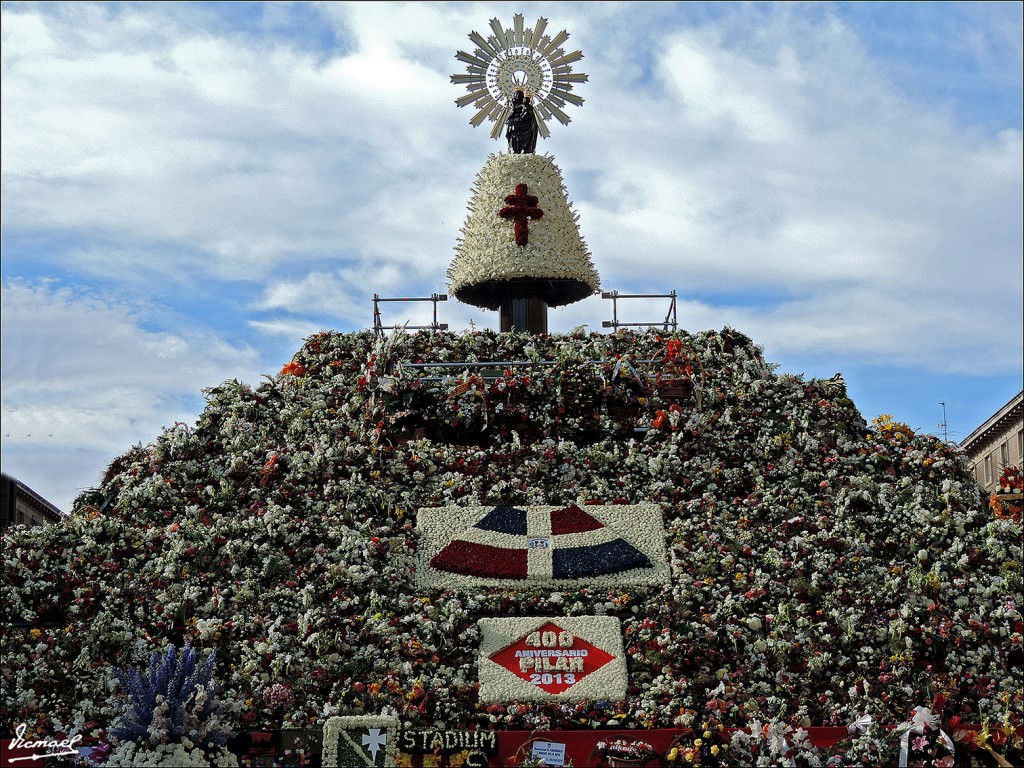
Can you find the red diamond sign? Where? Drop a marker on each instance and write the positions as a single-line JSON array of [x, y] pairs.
[[551, 658]]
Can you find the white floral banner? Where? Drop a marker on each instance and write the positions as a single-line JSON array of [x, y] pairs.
[[503, 545], [566, 658]]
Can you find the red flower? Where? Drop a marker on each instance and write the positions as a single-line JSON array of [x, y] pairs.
[[293, 369], [521, 207]]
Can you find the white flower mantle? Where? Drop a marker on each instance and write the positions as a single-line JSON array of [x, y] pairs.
[[582, 662], [633, 535], [372, 739], [487, 249]]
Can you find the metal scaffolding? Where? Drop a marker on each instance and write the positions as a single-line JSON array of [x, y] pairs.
[[379, 327], [669, 323]]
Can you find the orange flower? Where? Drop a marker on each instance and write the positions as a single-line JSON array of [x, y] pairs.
[[293, 369], [1011, 510], [268, 468]]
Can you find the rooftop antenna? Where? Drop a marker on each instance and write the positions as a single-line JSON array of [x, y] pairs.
[[943, 425]]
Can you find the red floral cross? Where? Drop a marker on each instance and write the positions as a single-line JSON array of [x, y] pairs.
[[521, 208]]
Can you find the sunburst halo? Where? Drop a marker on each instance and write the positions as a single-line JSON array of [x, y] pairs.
[[519, 58]]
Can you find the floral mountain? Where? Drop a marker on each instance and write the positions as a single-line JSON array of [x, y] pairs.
[[817, 568]]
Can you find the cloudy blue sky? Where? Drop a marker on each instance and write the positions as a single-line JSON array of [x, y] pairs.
[[191, 189]]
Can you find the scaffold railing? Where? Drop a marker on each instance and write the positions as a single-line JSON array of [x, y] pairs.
[[378, 324], [669, 323]]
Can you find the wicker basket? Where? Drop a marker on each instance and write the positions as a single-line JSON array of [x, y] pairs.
[[627, 762]]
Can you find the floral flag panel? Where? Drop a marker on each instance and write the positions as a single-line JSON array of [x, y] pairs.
[[575, 658], [503, 545], [360, 740]]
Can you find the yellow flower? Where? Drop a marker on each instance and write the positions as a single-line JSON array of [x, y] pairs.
[[714, 749], [35, 634], [698, 743], [983, 735]]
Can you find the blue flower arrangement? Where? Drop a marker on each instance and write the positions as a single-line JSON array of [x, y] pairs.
[[173, 702]]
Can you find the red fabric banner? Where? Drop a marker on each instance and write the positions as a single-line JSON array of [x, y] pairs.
[[578, 747]]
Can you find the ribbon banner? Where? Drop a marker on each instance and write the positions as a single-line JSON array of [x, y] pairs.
[[922, 723], [471, 547], [462, 748]]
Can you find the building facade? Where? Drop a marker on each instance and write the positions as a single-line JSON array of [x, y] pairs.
[[997, 444], [23, 506]]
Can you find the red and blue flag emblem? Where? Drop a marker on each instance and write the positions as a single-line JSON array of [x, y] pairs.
[[544, 543]]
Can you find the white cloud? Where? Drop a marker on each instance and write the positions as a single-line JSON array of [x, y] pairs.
[[781, 162], [721, 90], [82, 374], [287, 328], [216, 142], [767, 161]]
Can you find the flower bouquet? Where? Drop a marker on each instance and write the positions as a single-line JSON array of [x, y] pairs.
[[706, 745], [923, 743], [1002, 743], [773, 743], [623, 752], [864, 747], [1008, 503], [804, 554], [674, 382]]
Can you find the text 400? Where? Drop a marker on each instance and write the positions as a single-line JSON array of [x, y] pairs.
[[558, 679]]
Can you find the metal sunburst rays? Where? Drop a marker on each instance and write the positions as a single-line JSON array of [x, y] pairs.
[[519, 58]]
